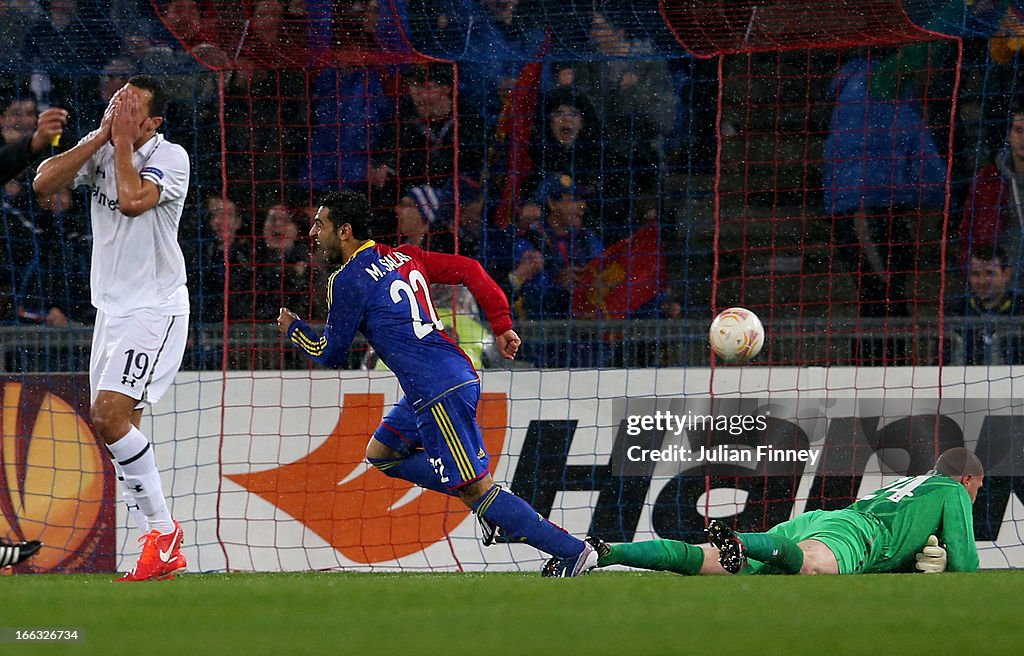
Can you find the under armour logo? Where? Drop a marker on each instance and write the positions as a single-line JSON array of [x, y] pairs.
[[128, 381], [137, 487]]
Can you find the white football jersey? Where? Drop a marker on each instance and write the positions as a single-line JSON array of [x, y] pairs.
[[136, 261]]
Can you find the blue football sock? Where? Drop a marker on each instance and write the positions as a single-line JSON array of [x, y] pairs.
[[522, 523], [415, 469]]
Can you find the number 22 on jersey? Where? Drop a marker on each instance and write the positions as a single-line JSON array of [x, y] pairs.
[[413, 291]]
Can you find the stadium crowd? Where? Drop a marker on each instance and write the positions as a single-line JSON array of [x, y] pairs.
[[565, 155]]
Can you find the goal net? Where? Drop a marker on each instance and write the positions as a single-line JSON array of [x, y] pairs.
[[623, 170]]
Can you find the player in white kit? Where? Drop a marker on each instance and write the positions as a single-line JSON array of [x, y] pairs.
[[139, 182]]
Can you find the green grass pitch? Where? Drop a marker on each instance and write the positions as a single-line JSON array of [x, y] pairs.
[[604, 613]]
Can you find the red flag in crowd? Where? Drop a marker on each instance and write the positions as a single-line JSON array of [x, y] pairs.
[[515, 125], [627, 276]]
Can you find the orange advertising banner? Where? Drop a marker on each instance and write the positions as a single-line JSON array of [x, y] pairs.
[[362, 516], [56, 482]]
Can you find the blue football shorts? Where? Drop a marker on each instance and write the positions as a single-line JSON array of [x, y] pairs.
[[446, 430]]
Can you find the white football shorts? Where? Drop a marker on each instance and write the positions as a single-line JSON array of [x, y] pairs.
[[136, 355]]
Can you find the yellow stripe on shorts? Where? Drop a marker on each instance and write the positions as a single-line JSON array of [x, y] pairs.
[[452, 439]]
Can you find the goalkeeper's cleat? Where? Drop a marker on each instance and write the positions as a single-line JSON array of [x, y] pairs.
[[573, 565], [732, 555], [600, 546], [12, 553], [161, 557]]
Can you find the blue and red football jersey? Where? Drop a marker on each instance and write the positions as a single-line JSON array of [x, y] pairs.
[[384, 293]]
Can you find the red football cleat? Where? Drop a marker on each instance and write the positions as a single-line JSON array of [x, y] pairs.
[[161, 557]]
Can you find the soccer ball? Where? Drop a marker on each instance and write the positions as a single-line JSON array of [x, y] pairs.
[[736, 335]]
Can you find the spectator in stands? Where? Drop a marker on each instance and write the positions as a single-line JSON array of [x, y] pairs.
[[420, 146], [473, 242], [24, 135], [49, 253], [15, 206], [494, 40], [70, 246], [418, 223], [41, 239], [185, 66], [460, 314], [350, 110], [549, 259], [1005, 31], [567, 245], [994, 210], [66, 48], [266, 119], [68, 42], [282, 261], [568, 136], [350, 100], [352, 26], [185, 21], [133, 16], [16, 20], [115, 75], [220, 254], [479, 237], [989, 298], [636, 95], [548, 265], [570, 142], [266, 106], [883, 175], [278, 32], [189, 69], [527, 286], [188, 28]]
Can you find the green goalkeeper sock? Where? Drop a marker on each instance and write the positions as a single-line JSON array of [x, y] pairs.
[[775, 550], [659, 555]]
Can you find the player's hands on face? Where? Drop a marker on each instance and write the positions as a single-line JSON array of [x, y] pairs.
[[49, 125], [932, 559], [508, 344], [108, 113], [127, 121], [285, 319]]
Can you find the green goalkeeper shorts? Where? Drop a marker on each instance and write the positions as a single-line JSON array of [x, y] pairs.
[[855, 539]]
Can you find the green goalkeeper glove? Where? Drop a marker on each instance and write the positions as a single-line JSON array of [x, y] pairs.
[[932, 559]]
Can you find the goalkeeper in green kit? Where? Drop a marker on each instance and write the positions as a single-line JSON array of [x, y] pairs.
[[896, 529]]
